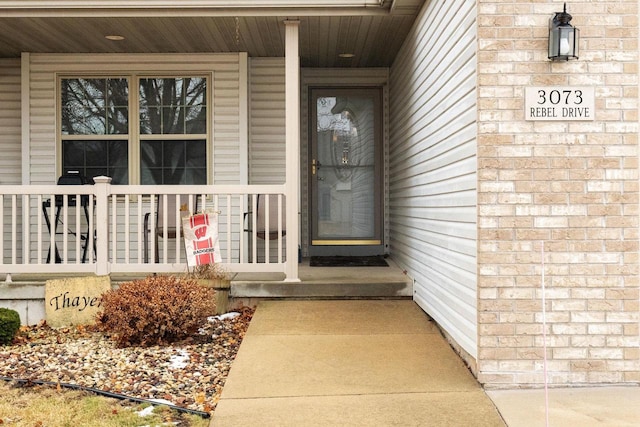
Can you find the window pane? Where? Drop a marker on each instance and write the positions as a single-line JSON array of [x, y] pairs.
[[196, 155], [196, 175], [173, 120], [173, 154], [197, 120], [173, 177], [173, 106], [94, 158], [173, 162], [119, 174], [73, 154], [95, 106]]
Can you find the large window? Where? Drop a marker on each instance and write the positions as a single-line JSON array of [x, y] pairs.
[[165, 132]]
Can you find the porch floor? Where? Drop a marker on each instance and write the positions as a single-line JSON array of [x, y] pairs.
[[326, 282]]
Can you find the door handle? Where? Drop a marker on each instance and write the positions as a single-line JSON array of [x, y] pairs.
[[315, 165]]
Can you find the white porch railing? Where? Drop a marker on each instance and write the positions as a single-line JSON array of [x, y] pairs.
[[105, 229]]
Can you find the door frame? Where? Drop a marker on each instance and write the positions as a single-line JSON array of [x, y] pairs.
[[345, 247]]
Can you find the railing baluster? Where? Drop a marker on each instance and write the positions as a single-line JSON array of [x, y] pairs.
[[90, 242], [14, 233], [127, 222], [254, 228], [77, 232], [140, 223], [165, 231], [216, 209], [1, 229], [52, 231], [38, 229], [25, 228], [114, 227], [267, 242], [241, 254], [152, 226], [279, 228], [177, 218], [229, 229], [65, 239]]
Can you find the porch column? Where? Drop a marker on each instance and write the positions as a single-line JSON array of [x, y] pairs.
[[102, 184], [292, 153]]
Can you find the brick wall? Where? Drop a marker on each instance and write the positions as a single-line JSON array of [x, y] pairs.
[[571, 187]]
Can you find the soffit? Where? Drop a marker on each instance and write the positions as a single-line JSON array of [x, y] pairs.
[[373, 34]]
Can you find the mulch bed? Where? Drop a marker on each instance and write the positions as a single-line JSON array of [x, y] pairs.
[[189, 374]]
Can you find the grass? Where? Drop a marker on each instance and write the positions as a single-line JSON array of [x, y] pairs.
[[51, 407]]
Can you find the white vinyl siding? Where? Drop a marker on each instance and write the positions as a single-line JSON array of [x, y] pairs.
[[10, 124], [224, 154], [267, 144], [10, 137], [433, 175], [267, 121]]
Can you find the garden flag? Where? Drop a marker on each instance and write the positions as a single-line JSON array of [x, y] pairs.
[[201, 239]]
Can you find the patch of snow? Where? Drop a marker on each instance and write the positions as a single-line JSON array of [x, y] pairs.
[[179, 361], [149, 410], [225, 316], [145, 412]]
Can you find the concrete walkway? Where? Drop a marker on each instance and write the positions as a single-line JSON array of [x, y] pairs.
[[384, 363], [349, 363], [584, 407]]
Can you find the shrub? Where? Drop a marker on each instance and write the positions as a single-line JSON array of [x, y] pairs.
[[208, 271], [155, 310], [9, 325]]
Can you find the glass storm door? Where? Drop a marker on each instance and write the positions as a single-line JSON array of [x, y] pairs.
[[345, 172]]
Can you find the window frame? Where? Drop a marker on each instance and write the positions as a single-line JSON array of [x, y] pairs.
[[134, 136]]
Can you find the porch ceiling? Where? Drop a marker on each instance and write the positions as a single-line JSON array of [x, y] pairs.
[[373, 34]]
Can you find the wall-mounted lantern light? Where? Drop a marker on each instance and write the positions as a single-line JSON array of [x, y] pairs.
[[563, 37]]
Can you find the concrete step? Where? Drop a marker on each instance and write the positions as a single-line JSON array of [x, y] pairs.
[[320, 290], [327, 282]]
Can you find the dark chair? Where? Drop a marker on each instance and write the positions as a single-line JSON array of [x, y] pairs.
[[265, 231], [172, 212], [68, 178]]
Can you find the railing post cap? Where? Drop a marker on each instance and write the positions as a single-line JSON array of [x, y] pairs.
[[102, 179]]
